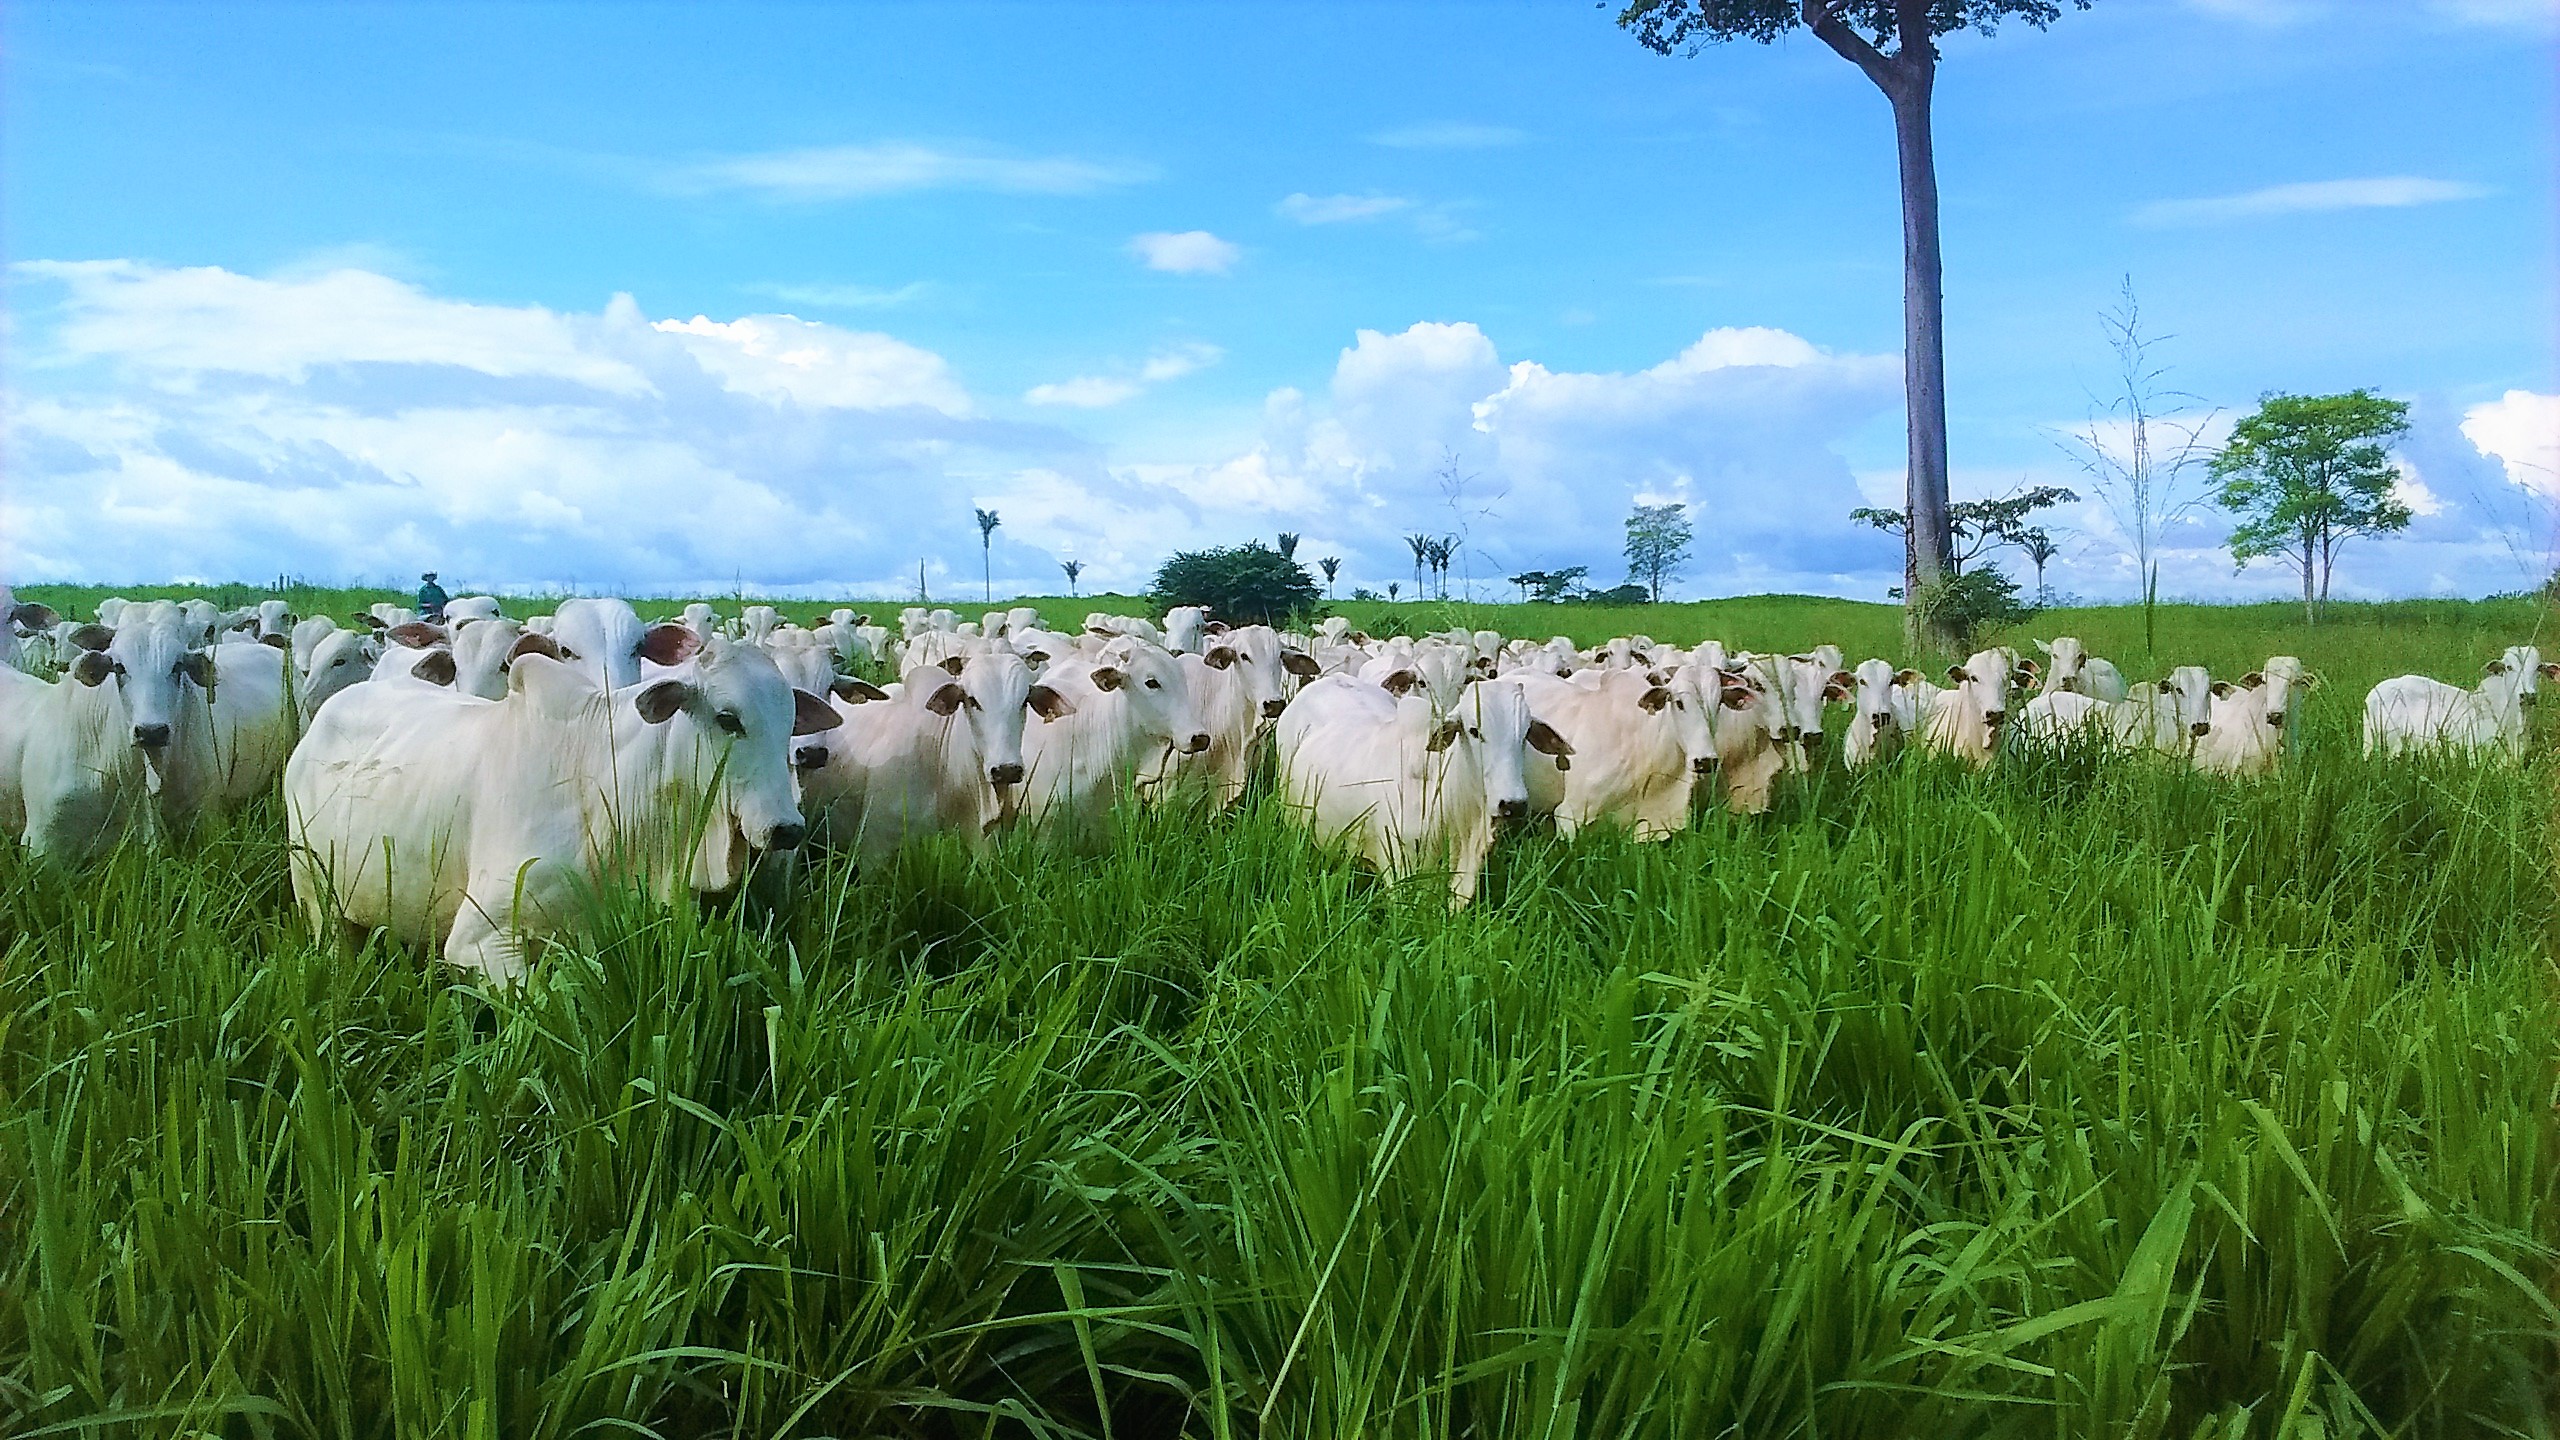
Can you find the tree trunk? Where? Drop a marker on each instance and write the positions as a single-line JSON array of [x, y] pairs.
[[1928, 546], [2310, 613]]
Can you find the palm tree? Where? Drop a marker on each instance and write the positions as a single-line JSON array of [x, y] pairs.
[[987, 523], [1438, 553], [1331, 565], [1288, 544], [1421, 547], [1073, 568], [1392, 587]]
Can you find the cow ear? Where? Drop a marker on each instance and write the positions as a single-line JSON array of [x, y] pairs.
[[366, 618], [2224, 689], [848, 688], [1840, 686], [2311, 678], [1905, 677], [1107, 677], [2495, 667], [1737, 697], [1400, 683], [2253, 679], [665, 644], [1956, 674], [1048, 704], [436, 668], [1219, 657], [276, 642], [418, 635], [2550, 671], [1214, 627], [946, 698], [2047, 649], [28, 615], [2029, 668], [530, 643], [861, 619], [92, 637], [955, 663], [1444, 734], [659, 700], [92, 668], [1654, 699], [809, 714], [1544, 739], [1302, 666]]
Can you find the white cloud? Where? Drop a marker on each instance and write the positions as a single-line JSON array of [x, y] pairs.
[[1094, 392], [1085, 392], [779, 357], [1336, 209], [1448, 135], [846, 297], [2382, 192], [1186, 252], [2521, 431], [853, 172], [2517, 14]]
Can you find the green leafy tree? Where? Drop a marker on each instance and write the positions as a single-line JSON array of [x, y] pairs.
[[1073, 568], [1894, 44], [1331, 565], [987, 523], [1550, 586], [1979, 526], [1248, 584], [2305, 474], [1657, 544]]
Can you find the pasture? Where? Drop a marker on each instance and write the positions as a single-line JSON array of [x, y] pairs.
[[2078, 1096]]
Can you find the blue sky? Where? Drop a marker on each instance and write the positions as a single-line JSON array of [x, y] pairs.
[[667, 298]]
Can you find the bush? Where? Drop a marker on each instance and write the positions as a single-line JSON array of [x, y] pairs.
[[1622, 595], [1248, 584], [1979, 599]]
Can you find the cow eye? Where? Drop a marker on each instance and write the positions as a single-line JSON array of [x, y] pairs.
[[1155, 685], [1474, 734], [728, 720]]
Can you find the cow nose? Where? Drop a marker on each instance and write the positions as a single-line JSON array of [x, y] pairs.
[[151, 737], [1004, 774], [1702, 766], [1879, 720], [809, 757], [2275, 717], [1271, 708], [2198, 728], [2071, 683], [1994, 717], [786, 837], [1510, 809], [1198, 742], [1813, 739], [1790, 733]]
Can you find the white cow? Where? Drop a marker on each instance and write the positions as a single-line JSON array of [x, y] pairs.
[[1412, 789], [2167, 717], [2071, 669], [1888, 712], [475, 826], [940, 757], [1241, 684], [804, 659], [1128, 709], [1803, 685], [605, 640], [1636, 746], [463, 609], [18, 620], [757, 623], [341, 658], [1966, 718], [2417, 713], [72, 780]]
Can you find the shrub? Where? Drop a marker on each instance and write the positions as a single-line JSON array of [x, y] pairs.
[[1248, 584], [1979, 599]]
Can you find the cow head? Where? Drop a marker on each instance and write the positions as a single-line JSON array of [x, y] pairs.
[[1158, 700], [164, 674], [741, 715]]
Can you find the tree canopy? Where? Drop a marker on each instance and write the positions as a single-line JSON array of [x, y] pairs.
[[1657, 544], [2304, 474], [1979, 526], [1248, 584], [1684, 26]]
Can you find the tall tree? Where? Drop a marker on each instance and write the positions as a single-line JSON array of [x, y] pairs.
[[1894, 44], [1331, 565], [1421, 546], [1288, 544], [2307, 473], [987, 523], [1657, 544], [1977, 526], [2040, 548], [1073, 568]]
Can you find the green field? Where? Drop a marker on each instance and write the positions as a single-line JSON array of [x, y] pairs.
[[2069, 1099]]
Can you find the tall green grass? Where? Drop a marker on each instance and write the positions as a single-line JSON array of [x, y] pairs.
[[2078, 1097]]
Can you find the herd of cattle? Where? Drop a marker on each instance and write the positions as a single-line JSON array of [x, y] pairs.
[[460, 783]]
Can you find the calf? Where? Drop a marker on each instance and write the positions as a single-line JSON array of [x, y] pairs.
[[1888, 712], [942, 756], [475, 826], [1128, 709], [2071, 669], [1966, 718]]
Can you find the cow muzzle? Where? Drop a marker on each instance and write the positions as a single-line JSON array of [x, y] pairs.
[[1004, 774], [1196, 744], [1812, 742], [2276, 718], [1995, 718], [2200, 728], [785, 837], [1702, 766], [151, 737], [1510, 809], [1271, 708], [809, 757]]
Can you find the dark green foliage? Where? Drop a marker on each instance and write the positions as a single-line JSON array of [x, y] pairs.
[[1246, 584], [1687, 25], [1657, 544], [2304, 474]]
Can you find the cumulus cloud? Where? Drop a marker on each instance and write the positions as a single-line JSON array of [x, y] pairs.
[[2381, 192], [1095, 392], [855, 172], [2521, 431], [1186, 252], [1447, 135]]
